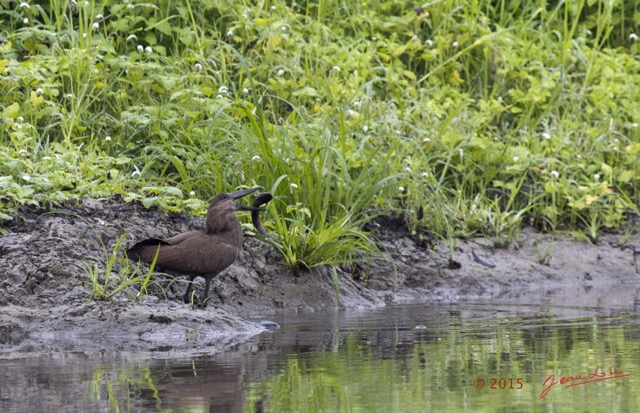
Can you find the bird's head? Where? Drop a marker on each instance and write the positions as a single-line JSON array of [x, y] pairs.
[[222, 208]]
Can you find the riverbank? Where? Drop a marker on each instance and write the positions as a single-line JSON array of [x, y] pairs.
[[44, 285]]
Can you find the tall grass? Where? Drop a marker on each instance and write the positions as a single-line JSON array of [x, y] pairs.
[[467, 117]]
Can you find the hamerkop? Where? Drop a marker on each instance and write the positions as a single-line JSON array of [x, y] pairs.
[[204, 253]]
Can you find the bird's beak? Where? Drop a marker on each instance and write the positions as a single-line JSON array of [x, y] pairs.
[[244, 192]]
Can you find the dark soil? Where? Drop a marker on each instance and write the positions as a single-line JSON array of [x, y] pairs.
[[45, 289]]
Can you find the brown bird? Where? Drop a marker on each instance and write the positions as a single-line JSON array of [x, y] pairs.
[[203, 253]]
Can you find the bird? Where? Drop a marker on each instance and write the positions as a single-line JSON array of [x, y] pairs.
[[204, 253]]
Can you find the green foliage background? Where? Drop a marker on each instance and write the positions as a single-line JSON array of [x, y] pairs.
[[467, 116]]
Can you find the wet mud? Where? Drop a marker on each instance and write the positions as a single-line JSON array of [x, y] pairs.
[[45, 286]]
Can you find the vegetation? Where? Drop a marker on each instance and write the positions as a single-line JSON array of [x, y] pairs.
[[465, 116]]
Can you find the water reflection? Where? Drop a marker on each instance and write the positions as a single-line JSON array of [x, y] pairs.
[[472, 357]]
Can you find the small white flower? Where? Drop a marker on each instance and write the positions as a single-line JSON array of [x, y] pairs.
[[424, 174], [616, 140], [374, 38], [426, 140], [230, 33], [596, 177], [280, 72], [219, 97], [96, 26], [350, 112], [516, 158], [401, 188], [335, 69], [24, 5], [283, 28], [39, 91], [130, 7], [633, 37], [26, 20], [455, 44], [634, 125], [140, 48], [20, 119], [357, 104], [255, 158], [135, 173], [19, 126], [293, 186], [223, 90], [555, 174], [273, 7], [429, 42], [546, 135], [414, 37], [26, 177], [75, 3], [148, 49], [99, 17], [132, 37], [84, 35], [408, 169], [107, 138], [581, 40], [68, 96], [579, 156], [245, 90], [198, 67], [365, 128], [192, 193]]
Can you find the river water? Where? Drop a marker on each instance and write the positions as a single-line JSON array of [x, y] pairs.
[[476, 357]]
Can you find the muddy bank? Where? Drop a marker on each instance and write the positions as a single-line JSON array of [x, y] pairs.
[[44, 284]]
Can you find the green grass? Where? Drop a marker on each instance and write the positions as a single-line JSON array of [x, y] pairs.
[[468, 117]]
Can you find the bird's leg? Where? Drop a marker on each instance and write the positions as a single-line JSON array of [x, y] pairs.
[[187, 295], [205, 293]]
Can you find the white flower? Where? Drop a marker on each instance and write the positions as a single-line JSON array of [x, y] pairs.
[[293, 186], [516, 158], [414, 37], [255, 158], [198, 67], [455, 44], [26, 20], [132, 37], [135, 173], [223, 90], [130, 7], [26, 177], [634, 125], [365, 128], [20, 119], [633, 37], [273, 7], [148, 49], [596, 177], [230, 33], [401, 188], [424, 174], [280, 72], [374, 38], [546, 135], [140, 48], [96, 26], [68, 96], [107, 138], [426, 140], [99, 17], [24, 5], [283, 28], [84, 35], [429, 42], [555, 174], [192, 193], [335, 69], [408, 169], [245, 90]]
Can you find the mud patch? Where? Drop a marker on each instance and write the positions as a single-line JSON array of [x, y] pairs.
[[44, 286]]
